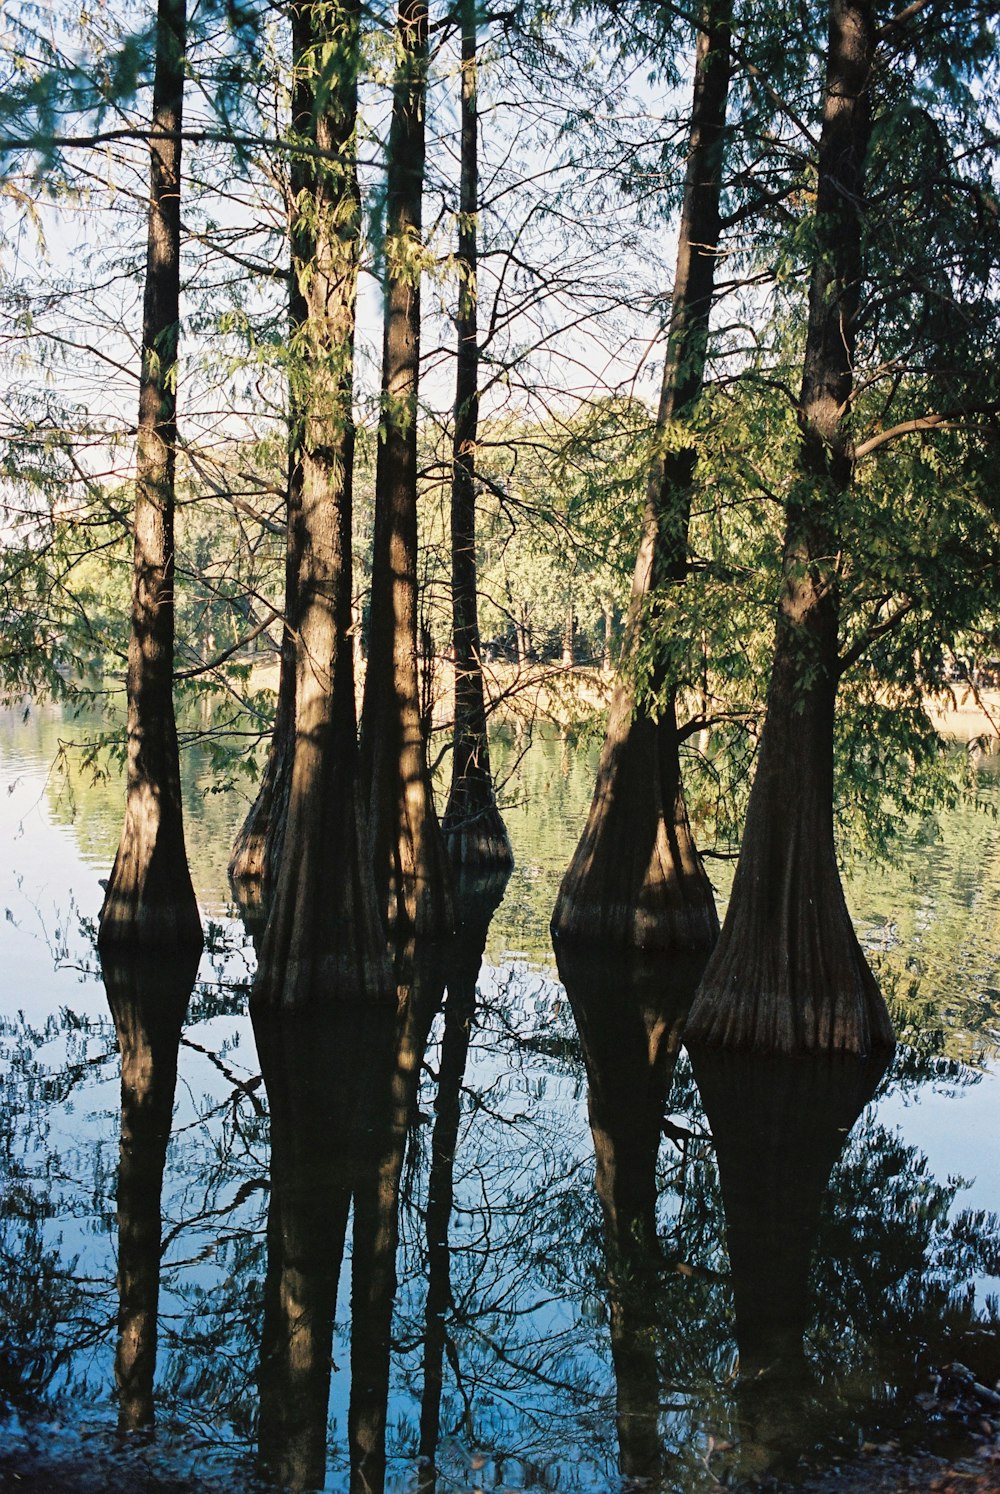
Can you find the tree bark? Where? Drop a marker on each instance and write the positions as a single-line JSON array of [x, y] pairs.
[[148, 995], [408, 853], [636, 877], [323, 934], [257, 849], [473, 828], [788, 973], [150, 899]]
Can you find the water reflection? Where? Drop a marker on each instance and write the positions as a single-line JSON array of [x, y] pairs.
[[317, 1066], [779, 1125], [148, 996], [630, 1016], [342, 1083]]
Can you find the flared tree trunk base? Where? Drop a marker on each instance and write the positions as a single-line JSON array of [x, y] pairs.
[[474, 833], [788, 974], [149, 902], [636, 879]]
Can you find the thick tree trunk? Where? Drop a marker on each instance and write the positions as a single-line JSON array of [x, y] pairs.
[[323, 936], [148, 995], [636, 877], [408, 852], [630, 1021], [788, 973], [474, 831], [150, 899], [779, 1125]]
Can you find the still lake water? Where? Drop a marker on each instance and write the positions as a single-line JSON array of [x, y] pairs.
[[545, 1334]]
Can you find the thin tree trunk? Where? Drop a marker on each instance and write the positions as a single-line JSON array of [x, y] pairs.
[[148, 995], [636, 877], [150, 899], [788, 973], [257, 849], [323, 935], [474, 830], [569, 629], [606, 655], [408, 854]]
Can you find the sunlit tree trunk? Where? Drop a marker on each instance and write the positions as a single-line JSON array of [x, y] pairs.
[[636, 877], [408, 852], [788, 973], [323, 938], [475, 833], [256, 852], [149, 898]]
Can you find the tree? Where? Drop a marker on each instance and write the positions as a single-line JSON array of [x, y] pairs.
[[472, 825], [150, 899], [788, 973], [257, 848], [408, 853], [323, 934], [636, 877]]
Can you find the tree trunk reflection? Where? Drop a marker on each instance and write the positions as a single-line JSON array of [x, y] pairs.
[[148, 996]]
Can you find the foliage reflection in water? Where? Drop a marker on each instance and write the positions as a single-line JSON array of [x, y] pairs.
[[382, 1239]]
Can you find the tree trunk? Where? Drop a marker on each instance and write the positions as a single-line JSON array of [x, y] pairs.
[[788, 973], [149, 899], [569, 629], [474, 831], [148, 995], [636, 877], [257, 850], [407, 848], [323, 934]]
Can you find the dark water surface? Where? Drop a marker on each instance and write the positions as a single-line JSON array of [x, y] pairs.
[[517, 1241]]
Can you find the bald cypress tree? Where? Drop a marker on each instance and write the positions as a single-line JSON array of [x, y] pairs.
[[150, 899], [636, 877]]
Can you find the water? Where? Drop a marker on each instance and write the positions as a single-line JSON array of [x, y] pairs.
[[535, 1332]]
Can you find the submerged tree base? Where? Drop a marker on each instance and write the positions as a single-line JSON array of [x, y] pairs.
[[636, 879], [475, 836], [146, 907]]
